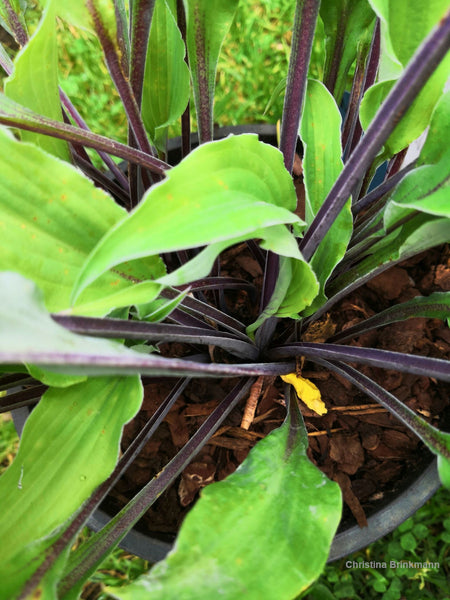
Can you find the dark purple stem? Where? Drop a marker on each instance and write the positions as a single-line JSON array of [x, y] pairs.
[[371, 73], [431, 436], [137, 330], [103, 180], [385, 359], [141, 18], [419, 307], [205, 91], [422, 65], [186, 116], [22, 398], [302, 39], [332, 66], [358, 87], [16, 26], [121, 81], [10, 380], [32, 122], [381, 190], [306, 14], [120, 177], [112, 533]]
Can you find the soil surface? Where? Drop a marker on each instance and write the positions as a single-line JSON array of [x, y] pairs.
[[357, 443]]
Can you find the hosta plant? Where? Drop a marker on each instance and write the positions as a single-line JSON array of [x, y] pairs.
[[100, 266]]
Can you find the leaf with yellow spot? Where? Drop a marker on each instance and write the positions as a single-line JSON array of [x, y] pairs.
[[307, 392]]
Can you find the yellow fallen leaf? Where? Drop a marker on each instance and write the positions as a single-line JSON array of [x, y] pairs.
[[307, 392]]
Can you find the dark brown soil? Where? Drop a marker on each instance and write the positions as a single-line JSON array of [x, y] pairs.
[[357, 443]]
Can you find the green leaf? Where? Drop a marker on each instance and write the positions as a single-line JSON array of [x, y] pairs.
[[444, 471], [436, 147], [78, 14], [207, 23], [346, 23], [166, 82], [426, 189], [264, 532], [34, 82], [30, 328], [320, 132], [416, 118], [405, 24], [223, 191], [302, 291], [69, 445], [160, 308], [275, 238], [50, 224]]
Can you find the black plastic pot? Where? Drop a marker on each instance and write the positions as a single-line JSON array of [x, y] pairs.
[[349, 538]]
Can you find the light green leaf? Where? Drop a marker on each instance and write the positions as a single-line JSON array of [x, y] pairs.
[[77, 13], [69, 445], [51, 217], [296, 288], [34, 82], [238, 178], [320, 132], [207, 22], [400, 38], [30, 327], [346, 23], [444, 471], [426, 189], [275, 238], [416, 118], [160, 308], [436, 146], [264, 532], [302, 291], [166, 82], [399, 42]]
